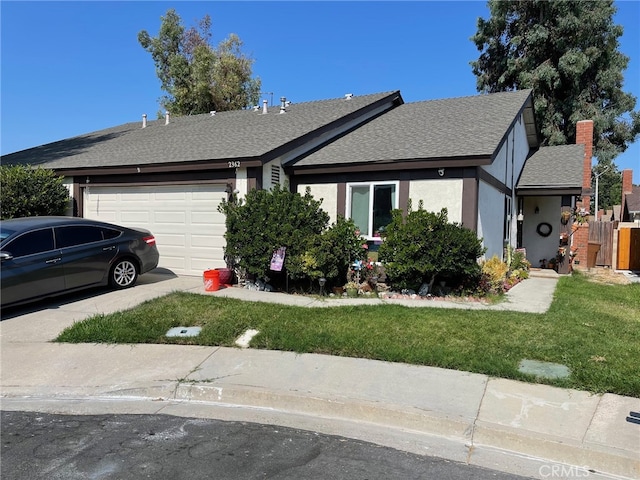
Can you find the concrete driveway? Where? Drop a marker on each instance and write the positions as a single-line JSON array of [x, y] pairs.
[[44, 320]]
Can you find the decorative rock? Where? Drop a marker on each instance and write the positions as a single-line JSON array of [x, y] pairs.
[[424, 290]]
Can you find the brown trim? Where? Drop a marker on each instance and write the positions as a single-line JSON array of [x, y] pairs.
[[403, 195], [153, 184], [342, 199], [252, 184], [389, 166], [255, 174], [470, 199], [181, 167], [494, 182], [211, 176], [548, 192], [77, 200], [362, 175]]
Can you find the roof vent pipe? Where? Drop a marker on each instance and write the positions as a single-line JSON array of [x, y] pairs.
[[348, 96], [166, 118], [264, 106], [256, 108], [283, 104], [144, 120], [212, 113]]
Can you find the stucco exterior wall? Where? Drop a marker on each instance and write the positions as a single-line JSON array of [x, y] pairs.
[[242, 184], [328, 192], [511, 157], [539, 247], [506, 168], [438, 194]]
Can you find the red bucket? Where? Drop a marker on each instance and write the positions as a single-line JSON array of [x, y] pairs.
[[226, 276], [211, 280]]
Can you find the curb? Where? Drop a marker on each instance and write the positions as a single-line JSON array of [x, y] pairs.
[[462, 438]]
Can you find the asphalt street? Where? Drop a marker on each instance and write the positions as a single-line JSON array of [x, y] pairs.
[[109, 447]]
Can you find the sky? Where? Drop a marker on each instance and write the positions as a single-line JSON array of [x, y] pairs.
[[69, 68]]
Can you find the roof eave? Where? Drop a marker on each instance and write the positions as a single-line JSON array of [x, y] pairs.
[[549, 190], [214, 164], [389, 165]]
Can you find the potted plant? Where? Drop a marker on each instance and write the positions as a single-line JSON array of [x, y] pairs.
[[352, 289]]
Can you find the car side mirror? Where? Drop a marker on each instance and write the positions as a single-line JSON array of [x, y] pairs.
[[5, 256]]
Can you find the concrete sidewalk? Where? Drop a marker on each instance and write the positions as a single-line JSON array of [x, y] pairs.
[[531, 430]]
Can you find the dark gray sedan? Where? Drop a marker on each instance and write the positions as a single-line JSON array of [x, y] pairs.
[[47, 256]]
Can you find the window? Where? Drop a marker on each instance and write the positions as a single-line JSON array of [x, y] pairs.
[[82, 234], [369, 205], [30, 243]]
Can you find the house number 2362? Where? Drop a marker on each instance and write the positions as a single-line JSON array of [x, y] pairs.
[[234, 164]]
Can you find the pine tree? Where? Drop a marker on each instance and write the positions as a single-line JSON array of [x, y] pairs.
[[567, 52]]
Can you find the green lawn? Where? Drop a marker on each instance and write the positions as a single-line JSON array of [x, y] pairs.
[[594, 329]]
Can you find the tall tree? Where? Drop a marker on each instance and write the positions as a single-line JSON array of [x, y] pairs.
[[567, 52], [197, 77]]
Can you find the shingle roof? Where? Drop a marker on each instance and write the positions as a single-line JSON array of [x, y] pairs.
[[227, 135], [434, 129], [632, 200], [554, 167]]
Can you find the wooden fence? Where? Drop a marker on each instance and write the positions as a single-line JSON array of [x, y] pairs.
[[602, 233], [628, 249]]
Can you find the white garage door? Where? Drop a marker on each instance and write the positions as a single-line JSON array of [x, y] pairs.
[[184, 219]]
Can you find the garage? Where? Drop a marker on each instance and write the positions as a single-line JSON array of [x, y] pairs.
[[185, 220]]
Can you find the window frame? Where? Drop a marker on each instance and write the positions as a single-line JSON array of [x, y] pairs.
[[349, 195]]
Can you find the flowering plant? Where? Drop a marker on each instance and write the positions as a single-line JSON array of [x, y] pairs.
[[581, 215], [371, 271], [351, 285]]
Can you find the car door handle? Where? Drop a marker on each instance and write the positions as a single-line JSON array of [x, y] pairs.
[[106, 249], [53, 260]]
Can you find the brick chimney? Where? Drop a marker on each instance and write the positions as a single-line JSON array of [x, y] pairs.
[[627, 182], [580, 238], [627, 187], [584, 136]]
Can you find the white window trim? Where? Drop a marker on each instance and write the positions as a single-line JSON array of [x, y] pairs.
[[350, 185]]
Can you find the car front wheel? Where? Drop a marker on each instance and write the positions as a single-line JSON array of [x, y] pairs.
[[123, 274]]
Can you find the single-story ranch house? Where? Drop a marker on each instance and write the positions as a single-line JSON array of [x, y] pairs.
[[477, 156]]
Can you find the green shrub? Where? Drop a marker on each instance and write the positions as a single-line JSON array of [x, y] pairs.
[[496, 271], [268, 220], [336, 250], [517, 260], [423, 246], [28, 192]]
